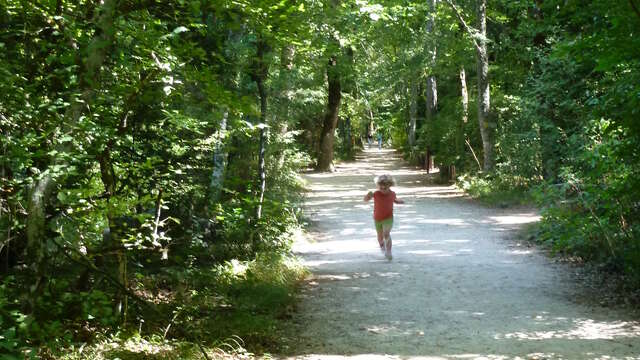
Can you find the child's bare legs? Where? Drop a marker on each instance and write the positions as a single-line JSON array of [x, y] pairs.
[[383, 229], [387, 240], [380, 237]]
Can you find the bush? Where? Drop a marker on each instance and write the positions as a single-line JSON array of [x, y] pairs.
[[593, 212]]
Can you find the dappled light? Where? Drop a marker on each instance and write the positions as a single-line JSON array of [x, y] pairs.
[[588, 329], [456, 288], [515, 219]]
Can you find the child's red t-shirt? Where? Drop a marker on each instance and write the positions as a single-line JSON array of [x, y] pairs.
[[383, 205]]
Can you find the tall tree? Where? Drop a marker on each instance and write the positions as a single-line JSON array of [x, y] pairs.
[[43, 187], [479, 38], [487, 126], [330, 122], [432, 48], [261, 69], [413, 112]]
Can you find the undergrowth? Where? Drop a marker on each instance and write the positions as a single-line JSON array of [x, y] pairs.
[[233, 310], [494, 191]]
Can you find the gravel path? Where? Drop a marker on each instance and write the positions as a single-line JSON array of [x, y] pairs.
[[459, 286]]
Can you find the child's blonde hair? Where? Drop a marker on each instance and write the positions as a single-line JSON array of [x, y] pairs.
[[384, 180]]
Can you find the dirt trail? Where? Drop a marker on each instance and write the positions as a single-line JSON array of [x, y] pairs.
[[458, 287]]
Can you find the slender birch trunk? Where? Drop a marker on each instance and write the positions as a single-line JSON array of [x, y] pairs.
[[432, 87], [44, 187], [464, 102], [464, 95], [286, 67], [479, 38], [413, 113], [219, 161], [260, 77]]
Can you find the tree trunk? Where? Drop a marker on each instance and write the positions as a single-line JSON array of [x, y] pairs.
[[464, 99], [261, 170], [479, 38], [484, 105], [43, 188], [325, 157], [4, 201], [464, 96], [432, 89], [108, 177], [348, 137], [413, 113], [37, 231], [260, 77], [432, 97], [370, 126], [286, 67], [219, 162]]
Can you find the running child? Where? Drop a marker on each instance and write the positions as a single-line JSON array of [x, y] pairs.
[[383, 200]]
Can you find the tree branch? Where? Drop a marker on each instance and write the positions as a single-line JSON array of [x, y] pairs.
[[89, 265], [635, 8], [472, 33], [129, 102]]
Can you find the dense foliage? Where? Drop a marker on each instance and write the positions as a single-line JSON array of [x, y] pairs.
[[150, 149], [130, 164], [565, 96]]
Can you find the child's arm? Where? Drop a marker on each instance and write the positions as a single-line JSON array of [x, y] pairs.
[[369, 196], [398, 201]]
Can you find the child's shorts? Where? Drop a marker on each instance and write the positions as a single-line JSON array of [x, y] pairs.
[[386, 223]]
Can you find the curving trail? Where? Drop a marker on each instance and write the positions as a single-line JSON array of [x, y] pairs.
[[459, 286]]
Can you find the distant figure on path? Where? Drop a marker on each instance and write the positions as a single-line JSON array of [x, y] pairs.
[[379, 141], [383, 200]]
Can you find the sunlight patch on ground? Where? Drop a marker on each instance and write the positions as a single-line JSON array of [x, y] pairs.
[[340, 246], [338, 195], [454, 222], [349, 231], [327, 202], [520, 252], [387, 274], [316, 263], [440, 196], [332, 277], [430, 252], [515, 219], [584, 329], [532, 356]]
